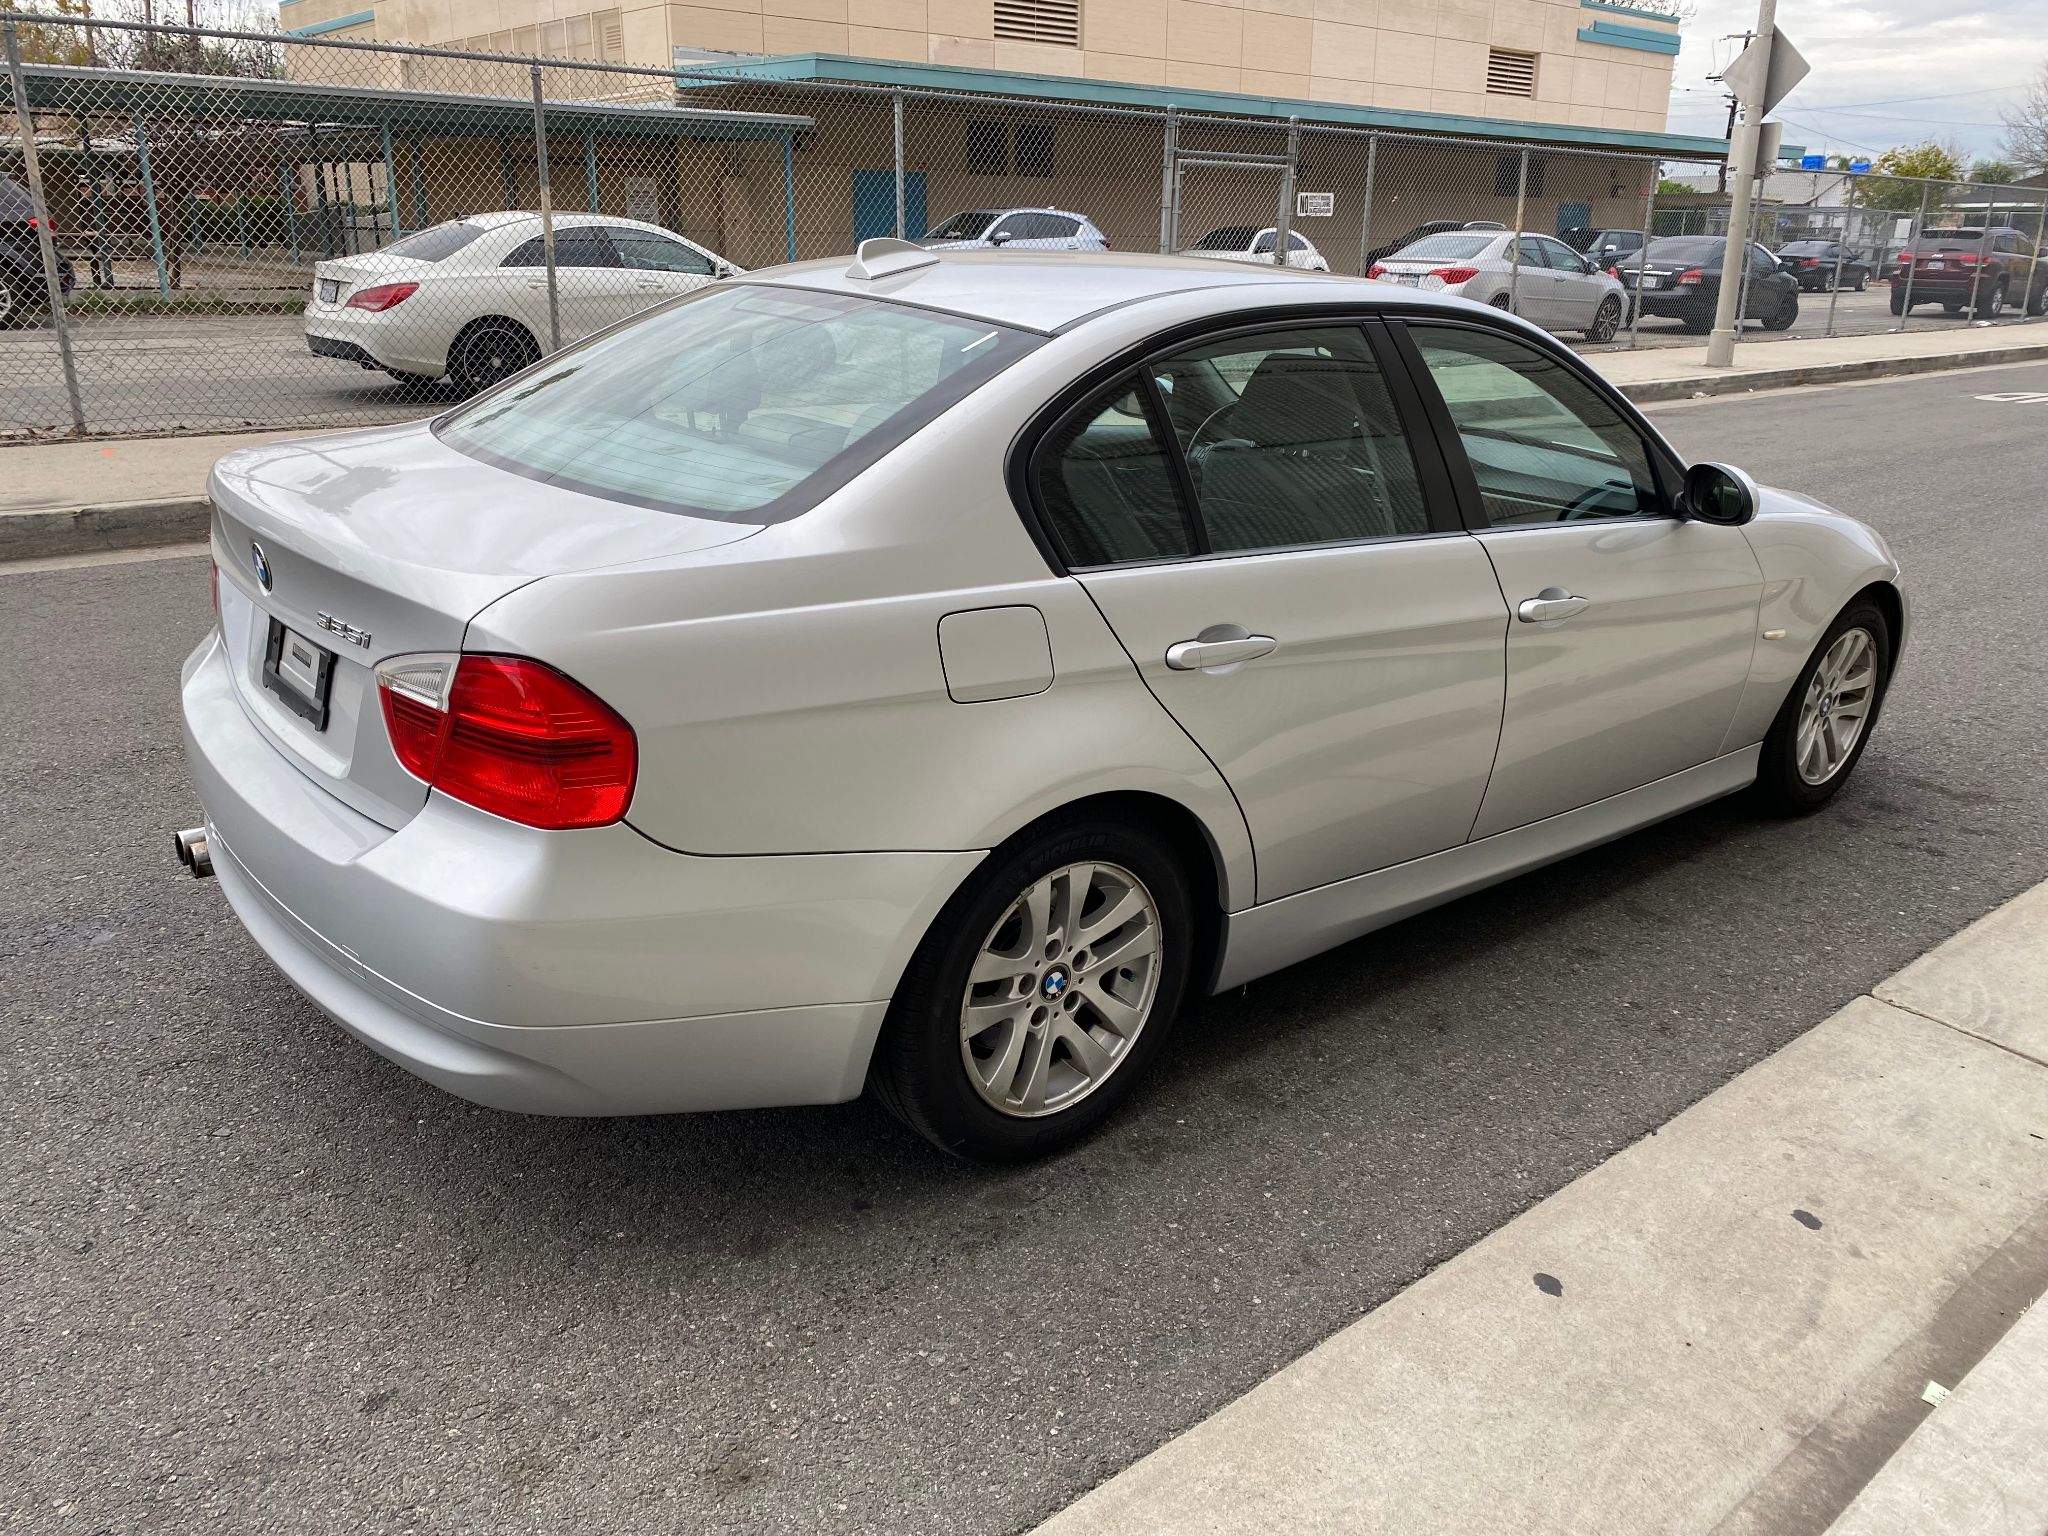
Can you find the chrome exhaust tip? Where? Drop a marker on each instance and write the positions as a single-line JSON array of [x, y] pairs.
[[193, 852]]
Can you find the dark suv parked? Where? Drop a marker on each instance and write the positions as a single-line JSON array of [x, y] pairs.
[[21, 259], [1997, 267], [1604, 247]]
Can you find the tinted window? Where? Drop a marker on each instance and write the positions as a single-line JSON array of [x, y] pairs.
[[1444, 248], [1560, 256], [1107, 485], [967, 225], [1291, 438], [1041, 226], [573, 248], [435, 244], [1761, 261], [744, 403], [1544, 445], [1693, 250], [647, 252], [1232, 237], [15, 203]]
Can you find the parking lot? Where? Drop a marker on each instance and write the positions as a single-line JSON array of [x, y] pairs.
[[259, 1280], [213, 373]]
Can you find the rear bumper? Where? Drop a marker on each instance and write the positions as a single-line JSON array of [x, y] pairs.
[[373, 341], [581, 973]]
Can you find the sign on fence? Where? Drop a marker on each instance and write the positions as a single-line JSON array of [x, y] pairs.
[[1314, 205]]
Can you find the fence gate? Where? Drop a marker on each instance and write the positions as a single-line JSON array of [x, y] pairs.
[[1214, 192]]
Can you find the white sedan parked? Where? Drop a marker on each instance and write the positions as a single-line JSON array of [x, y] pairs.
[[1245, 242], [468, 300], [932, 672], [1549, 283]]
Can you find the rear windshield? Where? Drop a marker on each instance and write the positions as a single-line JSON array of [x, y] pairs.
[[15, 203], [1232, 237], [1948, 239], [1444, 248], [1684, 248], [966, 226], [1805, 248], [744, 403], [433, 244]]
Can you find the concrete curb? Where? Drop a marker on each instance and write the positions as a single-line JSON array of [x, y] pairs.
[[59, 531], [1747, 380]]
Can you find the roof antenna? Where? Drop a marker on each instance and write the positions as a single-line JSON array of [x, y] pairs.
[[885, 256]]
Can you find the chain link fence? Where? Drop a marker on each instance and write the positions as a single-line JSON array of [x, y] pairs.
[[205, 230]]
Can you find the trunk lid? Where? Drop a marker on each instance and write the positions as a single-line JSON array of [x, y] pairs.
[[336, 279], [379, 544]]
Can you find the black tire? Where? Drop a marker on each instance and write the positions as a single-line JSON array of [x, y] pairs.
[[1991, 305], [1783, 318], [1898, 300], [1501, 301], [1953, 309], [2037, 301], [488, 352], [10, 300], [919, 1072], [1780, 787], [1606, 320], [1862, 282], [1699, 325]]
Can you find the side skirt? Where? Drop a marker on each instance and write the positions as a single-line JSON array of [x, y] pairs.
[[1266, 938]]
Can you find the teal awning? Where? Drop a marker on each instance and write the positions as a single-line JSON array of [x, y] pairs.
[[708, 74], [158, 94]]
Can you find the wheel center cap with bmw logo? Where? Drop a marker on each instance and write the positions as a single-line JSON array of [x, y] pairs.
[[1055, 983], [262, 564]]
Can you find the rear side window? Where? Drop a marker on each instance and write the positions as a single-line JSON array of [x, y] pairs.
[[436, 244], [646, 252], [1286, 439], [584, 247], [746, 403], [1232, 237], [1107, 485]]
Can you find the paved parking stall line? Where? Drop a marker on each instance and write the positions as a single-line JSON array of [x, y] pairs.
[[1690, 1337]]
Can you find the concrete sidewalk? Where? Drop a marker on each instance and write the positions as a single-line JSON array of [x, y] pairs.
[[71, 498], [1729, 1327], [1680, 373]]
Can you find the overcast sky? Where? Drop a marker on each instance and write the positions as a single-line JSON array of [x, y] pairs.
[[1885, 72]]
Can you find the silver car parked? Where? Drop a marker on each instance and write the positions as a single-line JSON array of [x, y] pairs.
[[1023, 229], [1549, 282], [934, 672]]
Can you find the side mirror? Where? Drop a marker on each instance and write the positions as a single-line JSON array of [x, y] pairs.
[[999, 239], [1718, 493]]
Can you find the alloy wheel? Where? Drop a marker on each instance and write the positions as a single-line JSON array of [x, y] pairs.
[[1837, 706], [1060, 989]]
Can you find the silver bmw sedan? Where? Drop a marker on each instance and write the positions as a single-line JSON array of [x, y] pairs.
[[935, 671]]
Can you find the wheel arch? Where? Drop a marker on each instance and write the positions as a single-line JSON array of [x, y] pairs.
[[470, 327]]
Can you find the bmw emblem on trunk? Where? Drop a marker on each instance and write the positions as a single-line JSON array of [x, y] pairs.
[[262, 564]]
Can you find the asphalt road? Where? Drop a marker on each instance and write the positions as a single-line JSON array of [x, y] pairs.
[[198, 373], [256, 1280]]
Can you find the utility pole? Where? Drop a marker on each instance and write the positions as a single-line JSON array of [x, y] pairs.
[[1734, 106], [1743, 150]]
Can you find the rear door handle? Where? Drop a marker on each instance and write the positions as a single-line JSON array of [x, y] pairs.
[[1223, 653], [1550, 605]]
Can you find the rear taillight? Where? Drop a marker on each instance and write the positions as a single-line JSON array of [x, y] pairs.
[[382, 297], [509, 736], [39, 224], [1690, 277], [1455, 275], [1905, 257]]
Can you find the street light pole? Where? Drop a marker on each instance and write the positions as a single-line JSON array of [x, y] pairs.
[[1727, 316]]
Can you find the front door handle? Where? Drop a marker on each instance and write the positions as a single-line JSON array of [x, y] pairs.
[[1219, 648], [1550, 605]]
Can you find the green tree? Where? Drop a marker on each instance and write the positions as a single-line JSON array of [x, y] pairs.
[[1900, 175], [2026, 126], [57, 42], [1666, 187], [1994, 173]]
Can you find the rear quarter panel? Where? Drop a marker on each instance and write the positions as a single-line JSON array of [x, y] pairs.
[[788, 692]]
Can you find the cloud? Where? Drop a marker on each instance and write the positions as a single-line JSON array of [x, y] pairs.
[[1959, 65]]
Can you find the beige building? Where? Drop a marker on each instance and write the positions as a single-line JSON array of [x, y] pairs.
[[1407, 111], [1580, 63]]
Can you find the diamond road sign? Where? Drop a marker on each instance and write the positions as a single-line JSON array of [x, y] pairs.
[[1761, 85]]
